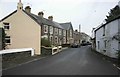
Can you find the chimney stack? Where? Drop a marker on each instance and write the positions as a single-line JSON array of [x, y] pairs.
[[28, 9], [19, 5], [40, 14], [50, 18]]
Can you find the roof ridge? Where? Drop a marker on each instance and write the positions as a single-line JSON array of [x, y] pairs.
[[8, 15]]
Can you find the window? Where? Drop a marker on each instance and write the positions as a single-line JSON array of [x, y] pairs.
[[104, 31], [98, 44], [70, 33], [64, 33], [45, 29], [64, 40], [56, 31], [51, 30], [6, 26], [60, 32], [56, 39], [7, 39], [51, 40]]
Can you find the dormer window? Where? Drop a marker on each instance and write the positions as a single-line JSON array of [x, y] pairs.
[[6, 26]]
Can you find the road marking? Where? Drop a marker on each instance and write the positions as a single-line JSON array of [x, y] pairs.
[[114, 65], [118, 68], [23, 63]]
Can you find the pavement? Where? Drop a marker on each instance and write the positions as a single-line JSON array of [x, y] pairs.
[[71, 61]]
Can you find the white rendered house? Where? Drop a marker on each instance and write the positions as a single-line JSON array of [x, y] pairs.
[[108, 38]]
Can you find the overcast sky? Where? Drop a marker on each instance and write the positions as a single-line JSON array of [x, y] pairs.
[[88, 13]]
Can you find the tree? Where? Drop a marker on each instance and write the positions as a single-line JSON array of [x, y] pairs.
[[115, 12]]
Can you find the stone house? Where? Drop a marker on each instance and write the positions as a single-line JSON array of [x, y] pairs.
[[77, 37], [108, 38], [67, 33]]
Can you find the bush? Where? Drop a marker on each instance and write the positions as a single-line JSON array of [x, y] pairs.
[[45, 42]]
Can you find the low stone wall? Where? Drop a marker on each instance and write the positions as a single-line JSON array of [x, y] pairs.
[[11, 56], [46, 51], [12, 59], [50, 50]]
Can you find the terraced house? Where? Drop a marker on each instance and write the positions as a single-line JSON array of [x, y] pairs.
[[24, 30], [57, 34], [67, 33]]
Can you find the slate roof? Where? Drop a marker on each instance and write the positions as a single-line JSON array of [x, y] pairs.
[[67, 25], [43, 21]]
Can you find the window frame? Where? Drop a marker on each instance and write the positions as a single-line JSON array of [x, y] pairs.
[[8, 38], [6, 25], [45, 28]]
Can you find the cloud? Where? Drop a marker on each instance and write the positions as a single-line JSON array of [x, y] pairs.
[[88, 13], [59, 1]]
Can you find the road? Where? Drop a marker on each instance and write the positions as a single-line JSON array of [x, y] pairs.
[[72, 61]]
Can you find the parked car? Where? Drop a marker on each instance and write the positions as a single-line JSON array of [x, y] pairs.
[[86, 43], [74, 45], [83, 44]]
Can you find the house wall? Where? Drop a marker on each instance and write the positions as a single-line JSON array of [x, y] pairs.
[[112, 45], [99, 40], [113, 42], [84, 37], [119, 31], [24, 32], [69, 36], [77, 37], [64, 37]]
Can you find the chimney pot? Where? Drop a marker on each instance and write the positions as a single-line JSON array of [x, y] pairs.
[[50, 18], [40, 14], [28, 9]]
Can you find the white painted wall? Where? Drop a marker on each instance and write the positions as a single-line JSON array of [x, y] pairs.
[[111, 44], [99, 35]]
